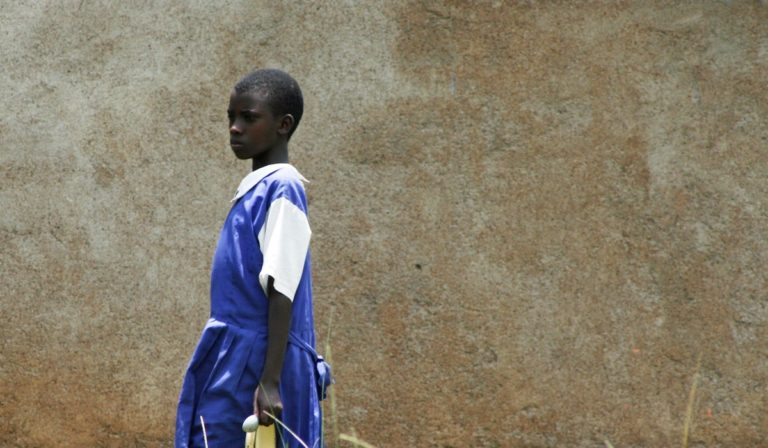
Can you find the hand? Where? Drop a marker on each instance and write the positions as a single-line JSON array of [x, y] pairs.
[[267, 399]]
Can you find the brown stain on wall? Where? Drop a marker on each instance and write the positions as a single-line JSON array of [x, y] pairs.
[[529, 218], [542, 116]]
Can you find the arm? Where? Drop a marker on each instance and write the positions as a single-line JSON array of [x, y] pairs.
[[284, 242], [267, 395]]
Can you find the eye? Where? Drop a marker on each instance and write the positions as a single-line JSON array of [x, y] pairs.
[[249, 117]]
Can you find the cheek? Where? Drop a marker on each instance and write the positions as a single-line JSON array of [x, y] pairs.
[[252, 130], [259, 130]]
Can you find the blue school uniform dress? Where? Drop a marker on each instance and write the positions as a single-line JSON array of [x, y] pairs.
[[266, 234]]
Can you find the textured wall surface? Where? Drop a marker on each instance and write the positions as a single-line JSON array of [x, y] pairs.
[[530, 220]]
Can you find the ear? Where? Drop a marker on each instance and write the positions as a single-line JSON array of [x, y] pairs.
[[286, 124]]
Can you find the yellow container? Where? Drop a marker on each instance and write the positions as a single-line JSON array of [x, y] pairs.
[[264, 437]]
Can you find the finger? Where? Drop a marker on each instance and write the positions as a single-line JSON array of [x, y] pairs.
[[270, 413], [264, 419], [256, 403]]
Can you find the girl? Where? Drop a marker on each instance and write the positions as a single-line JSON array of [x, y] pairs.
[[256, 353]]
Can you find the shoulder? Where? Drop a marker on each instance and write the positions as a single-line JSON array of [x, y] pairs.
[[277, 174], [287, 175], [286, 183]]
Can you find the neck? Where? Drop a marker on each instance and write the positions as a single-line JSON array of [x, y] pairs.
[[278, 154]]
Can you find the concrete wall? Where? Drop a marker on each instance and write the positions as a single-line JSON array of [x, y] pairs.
[[530, 219]]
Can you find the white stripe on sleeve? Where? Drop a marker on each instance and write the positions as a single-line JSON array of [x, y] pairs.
[[284, 240]]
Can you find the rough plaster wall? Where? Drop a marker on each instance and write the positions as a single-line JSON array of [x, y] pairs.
[[530, 219]]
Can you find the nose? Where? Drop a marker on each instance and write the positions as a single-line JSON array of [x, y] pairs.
[[234, 130]]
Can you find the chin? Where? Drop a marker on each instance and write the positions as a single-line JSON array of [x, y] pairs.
[[242, 155]]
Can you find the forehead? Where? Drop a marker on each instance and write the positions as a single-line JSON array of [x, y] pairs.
[[256, 100]]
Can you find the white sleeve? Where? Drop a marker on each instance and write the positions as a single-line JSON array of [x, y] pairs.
[[284, 241]]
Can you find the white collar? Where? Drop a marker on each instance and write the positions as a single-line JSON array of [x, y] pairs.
[[254, 177]]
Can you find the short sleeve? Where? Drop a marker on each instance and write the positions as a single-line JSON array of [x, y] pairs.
[[284, 240]]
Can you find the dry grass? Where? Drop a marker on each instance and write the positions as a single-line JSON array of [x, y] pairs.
[[355, 441], [691, 400], [689, 409]]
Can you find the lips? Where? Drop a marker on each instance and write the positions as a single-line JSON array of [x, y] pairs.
[[235, 143]]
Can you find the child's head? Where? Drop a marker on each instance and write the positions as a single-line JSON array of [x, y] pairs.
[[280, 90]]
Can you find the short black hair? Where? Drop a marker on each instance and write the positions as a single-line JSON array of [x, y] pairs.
[[282, 92]]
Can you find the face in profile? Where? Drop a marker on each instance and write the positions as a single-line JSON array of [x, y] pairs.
[[253, 128]]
